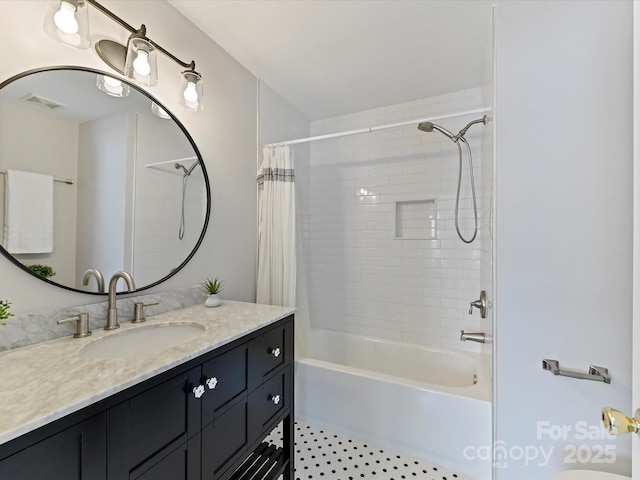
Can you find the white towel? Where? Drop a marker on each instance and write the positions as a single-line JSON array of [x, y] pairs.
[[28, 217]]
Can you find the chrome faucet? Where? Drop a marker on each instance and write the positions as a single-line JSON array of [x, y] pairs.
[[99, 279], [112, 312]]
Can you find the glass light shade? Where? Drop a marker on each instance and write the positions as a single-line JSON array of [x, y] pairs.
[[159, 111], [140, 64], [112, 86], [68, 22], [192, 91]]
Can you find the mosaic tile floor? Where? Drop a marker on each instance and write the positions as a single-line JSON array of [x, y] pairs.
[[321, 454]]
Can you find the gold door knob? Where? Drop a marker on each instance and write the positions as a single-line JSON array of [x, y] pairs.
[[617, 423]]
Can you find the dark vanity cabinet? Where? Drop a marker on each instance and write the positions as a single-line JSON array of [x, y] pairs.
[[76, 452], [205, 419]]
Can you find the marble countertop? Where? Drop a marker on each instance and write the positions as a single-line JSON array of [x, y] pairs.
[[44, 382]]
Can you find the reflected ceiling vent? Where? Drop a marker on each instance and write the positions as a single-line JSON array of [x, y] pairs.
[[44, 102]]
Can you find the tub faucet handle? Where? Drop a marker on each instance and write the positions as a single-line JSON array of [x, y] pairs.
[[473, 304], [481, 304]]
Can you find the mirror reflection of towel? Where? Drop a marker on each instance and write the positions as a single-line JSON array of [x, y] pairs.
[[28, 217]]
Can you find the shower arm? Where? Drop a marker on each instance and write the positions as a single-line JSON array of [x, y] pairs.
[[195, 164], [462, 132]]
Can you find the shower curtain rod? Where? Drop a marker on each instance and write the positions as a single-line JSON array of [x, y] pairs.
[[381, 127]]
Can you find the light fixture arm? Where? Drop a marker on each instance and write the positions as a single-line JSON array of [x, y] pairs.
[[139, 33]]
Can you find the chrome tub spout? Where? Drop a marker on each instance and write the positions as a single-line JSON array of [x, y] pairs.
[[473, 337]]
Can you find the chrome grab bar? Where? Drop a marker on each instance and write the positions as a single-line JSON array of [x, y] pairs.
[[595, 373]]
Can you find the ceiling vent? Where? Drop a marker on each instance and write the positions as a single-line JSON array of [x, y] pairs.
[[44, 102]]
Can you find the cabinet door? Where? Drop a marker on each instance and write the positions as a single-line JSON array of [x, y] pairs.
[[78, 452], [224, 440], [152, 424], [183, 463], [225, 380]]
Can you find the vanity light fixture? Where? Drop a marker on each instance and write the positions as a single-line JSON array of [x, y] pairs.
[[192, 90], [140, 60], [67, 21], [112, 86]]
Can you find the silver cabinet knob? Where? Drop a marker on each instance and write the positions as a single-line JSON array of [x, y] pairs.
[[198, 391], [275, 399], [275, 351], [212, 382]]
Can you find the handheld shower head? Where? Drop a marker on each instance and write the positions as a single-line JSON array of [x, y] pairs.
[[426, 127], [179, 166], [186, 171], [430, 127]]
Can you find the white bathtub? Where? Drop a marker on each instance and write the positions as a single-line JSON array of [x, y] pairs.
[[410, 399]]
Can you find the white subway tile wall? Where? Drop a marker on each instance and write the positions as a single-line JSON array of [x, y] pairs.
[[361, 278], [158, 202]]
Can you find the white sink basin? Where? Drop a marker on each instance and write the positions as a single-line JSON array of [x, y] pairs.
[[142, 340]]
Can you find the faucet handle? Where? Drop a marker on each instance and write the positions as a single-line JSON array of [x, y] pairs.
[[476, 304], [480, 304], [138, 311], [82, 325]]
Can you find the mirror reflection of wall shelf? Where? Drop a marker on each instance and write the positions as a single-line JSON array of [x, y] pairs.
[[417, 219], [168, 162], [120, 215]]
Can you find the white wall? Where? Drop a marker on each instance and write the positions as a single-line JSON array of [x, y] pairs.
[[225, 134], [105, 152], [56, 154], [409, 289], [564, 229], [158, 205]]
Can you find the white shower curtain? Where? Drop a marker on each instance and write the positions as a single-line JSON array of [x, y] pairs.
[[276, 228]]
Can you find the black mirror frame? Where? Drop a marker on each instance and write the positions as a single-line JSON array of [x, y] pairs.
[[191, 142]]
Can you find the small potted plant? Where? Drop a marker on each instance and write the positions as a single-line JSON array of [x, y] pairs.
[[43, 270], [4, 311], [212, 288]]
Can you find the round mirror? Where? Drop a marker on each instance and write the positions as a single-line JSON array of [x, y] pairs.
[[96, 176]]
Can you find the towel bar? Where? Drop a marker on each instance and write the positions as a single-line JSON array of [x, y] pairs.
[[68, 181]]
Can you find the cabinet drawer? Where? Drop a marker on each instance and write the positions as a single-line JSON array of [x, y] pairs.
[[228, 372], [267, 402], [268, 352]]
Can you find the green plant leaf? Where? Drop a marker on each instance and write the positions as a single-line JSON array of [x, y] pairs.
[[212, 286], [4, 311], [43, 270]]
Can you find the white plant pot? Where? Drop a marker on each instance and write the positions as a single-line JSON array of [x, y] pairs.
[[213, 300]]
